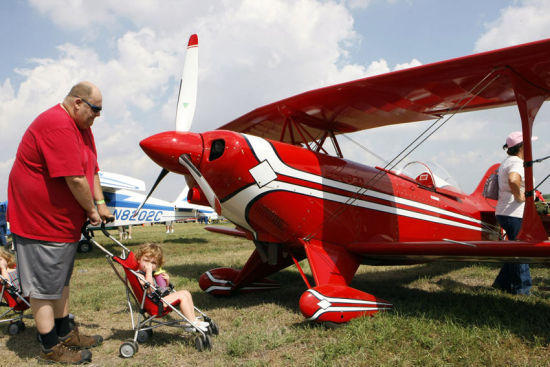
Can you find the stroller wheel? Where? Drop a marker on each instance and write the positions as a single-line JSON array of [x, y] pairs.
[[128, 348], [199, 343], [84, 246], [13, 328], [207, 342], [72, 323], [21, 325], [144, 335], [214, 328]]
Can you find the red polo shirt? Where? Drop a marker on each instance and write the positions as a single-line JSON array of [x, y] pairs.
[[41, 206]]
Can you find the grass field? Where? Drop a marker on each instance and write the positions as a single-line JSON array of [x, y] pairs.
[[445, 314]]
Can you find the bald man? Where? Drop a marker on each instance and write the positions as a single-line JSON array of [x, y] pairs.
[[53, 188]]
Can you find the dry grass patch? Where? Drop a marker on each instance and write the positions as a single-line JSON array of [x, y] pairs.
[[444, 315]]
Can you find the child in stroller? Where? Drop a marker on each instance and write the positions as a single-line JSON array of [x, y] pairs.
[[11, 293], [7, 268], [150, 259]]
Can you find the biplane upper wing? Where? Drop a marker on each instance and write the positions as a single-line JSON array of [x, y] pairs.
[[425, 92]]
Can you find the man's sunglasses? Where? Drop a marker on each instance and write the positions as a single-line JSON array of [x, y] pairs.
[[94, 108]]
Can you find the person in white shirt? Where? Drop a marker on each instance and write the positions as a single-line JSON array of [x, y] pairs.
[[513, 278]]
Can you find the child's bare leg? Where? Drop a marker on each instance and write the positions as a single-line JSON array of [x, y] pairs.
[[186, 303]]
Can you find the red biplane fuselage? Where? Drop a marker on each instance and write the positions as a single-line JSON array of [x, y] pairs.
[[297, 203], [293, 202]]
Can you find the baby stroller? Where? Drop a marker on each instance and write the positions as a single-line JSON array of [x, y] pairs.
[[16, 303], [151, 306]]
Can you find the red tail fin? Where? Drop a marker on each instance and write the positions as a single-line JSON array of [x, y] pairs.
[[478, 192]]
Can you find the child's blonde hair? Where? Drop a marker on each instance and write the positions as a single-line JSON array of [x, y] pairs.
[[10, 259], [152, 250]]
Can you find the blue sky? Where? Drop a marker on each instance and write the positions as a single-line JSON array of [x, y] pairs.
[[251, 53]]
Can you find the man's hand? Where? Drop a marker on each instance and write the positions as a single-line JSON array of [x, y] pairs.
[[93, 216], [104, 213]]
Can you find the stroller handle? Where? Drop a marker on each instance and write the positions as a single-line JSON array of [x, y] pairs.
[[86, 232]]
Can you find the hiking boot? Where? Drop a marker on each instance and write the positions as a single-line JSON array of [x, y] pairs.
[[61, 354], [76, 340]]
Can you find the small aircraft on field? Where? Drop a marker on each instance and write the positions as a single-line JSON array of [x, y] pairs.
[[122, 196], [269, 172]]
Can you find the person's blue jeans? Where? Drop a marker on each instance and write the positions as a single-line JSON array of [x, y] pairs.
[[513, 278]]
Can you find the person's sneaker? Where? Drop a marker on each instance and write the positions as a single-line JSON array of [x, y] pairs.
[[76, 340], [61, 354], [203, 326]]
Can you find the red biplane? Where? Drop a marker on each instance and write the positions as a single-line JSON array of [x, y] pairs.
[[269, 173]]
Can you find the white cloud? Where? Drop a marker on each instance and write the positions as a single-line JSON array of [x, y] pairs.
[[527, 21], [251, 53]]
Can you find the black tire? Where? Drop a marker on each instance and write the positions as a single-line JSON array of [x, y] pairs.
[[143, 336], [207, 342], [21, 325], [128, 349], [84, 246], [214, 328], [72, 323], [13, 328], [199, 343]]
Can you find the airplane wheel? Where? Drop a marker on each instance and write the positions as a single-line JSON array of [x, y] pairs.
[[84, 246], [128, 348], [333, 325]]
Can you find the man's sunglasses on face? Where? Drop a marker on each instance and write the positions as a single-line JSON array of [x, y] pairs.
[[94, 108]]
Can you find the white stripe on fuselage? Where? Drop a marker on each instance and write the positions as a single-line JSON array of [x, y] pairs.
[[235, 207]]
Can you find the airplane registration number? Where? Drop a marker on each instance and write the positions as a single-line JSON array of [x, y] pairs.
[[143, 215]]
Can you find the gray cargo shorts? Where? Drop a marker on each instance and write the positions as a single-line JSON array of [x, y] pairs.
[[44, 268]]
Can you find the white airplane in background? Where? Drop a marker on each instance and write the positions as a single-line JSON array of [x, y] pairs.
[[123, 197]]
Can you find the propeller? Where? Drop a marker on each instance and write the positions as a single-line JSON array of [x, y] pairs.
[[203, 184], [187, 100], [161, 175]]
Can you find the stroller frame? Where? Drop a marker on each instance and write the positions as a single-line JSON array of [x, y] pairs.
[[17, 306], [143, 322]]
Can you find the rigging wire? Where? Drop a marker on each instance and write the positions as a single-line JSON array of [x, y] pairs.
[[419, 140]]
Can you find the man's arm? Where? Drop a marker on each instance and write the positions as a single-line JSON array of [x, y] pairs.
[[104, 212], [81, 192]]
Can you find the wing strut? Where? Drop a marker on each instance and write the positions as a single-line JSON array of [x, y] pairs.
[[529, 98]]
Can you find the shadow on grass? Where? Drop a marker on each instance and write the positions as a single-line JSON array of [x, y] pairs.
[[164, 335], [464, 304], [527, 317]]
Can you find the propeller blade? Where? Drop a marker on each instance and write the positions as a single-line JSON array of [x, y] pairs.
[[203, 184], [187, 97], [161, 175]]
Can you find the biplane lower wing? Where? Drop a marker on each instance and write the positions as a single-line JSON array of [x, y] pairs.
[[449, 250]]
